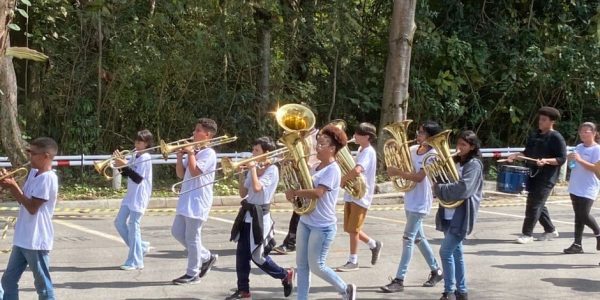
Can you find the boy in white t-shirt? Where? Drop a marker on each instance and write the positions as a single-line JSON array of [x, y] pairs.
[[34, 233], [355, 210], [193, 206]]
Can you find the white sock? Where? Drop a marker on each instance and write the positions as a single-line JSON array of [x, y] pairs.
[[353, 258], [372, 244]]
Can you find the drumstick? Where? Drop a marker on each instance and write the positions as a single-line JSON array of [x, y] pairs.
[[518, 157]]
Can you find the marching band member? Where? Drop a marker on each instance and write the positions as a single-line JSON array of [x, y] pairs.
[[253, 227], [355, 210], [316, 230]]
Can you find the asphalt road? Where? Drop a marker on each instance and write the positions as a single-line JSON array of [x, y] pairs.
[[88, 251]]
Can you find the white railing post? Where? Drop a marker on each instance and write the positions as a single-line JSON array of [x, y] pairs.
[[116, 180]]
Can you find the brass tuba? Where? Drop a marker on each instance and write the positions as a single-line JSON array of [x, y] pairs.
[[440, 167], [356, 187], [397, 154], [297, 120]]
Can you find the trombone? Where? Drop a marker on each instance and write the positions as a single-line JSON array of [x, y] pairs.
[[228, 167], [17, 174], [168, 148]]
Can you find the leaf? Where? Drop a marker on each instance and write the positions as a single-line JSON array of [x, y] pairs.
[[14, 27], [26, 2], [26, 53], [23, 13]]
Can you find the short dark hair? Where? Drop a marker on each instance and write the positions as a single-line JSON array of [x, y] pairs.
[[46, 144], [208, 124], [366, 128], [471, 138], [549, 112], [145, 136], [337, 135], [266, 143], [431, 128]]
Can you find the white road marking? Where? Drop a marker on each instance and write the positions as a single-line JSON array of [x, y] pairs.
[[90, 231], [231, 222], [520, 216]]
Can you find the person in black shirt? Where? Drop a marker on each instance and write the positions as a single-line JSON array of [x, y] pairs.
[[548, 147]]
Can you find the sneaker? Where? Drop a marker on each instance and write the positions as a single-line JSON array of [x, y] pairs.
[[239, 295], [397, 285], [348, 267], [130, 268], [288, 282], [434, 277], [448, 296], [375, 252], [186, 279], [573, 249], [548, 236], [461, 296], [598, 243], [350, 292], [284, 249], [524, 239], [146, 248], [206, 266]]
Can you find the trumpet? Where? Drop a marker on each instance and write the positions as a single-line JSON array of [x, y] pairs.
[[109, 164], [168, 148], [228, 168], [17, 174]]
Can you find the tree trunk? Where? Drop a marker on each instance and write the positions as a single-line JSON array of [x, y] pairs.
[[397, 70], [262, 18]]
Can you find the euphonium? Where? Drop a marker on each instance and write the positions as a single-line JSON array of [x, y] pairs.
[[439, 167], [297, 120], [356, 187], [397, 154]]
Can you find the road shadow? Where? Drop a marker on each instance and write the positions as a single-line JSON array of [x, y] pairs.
[[83, 269], [110, 285], [513, 253], [543, 266], [576, 284], [173, 254]]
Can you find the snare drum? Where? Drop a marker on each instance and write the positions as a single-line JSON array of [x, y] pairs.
[[512, 179]]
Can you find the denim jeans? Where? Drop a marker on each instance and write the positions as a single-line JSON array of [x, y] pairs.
[[188, 232], [127, 224], [414, 234], [451, 253], [311, 254], [38, 261]]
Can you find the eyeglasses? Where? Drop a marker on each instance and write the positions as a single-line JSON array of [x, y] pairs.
[[418, 132], [585, 131], [33, 152], [322, 145]]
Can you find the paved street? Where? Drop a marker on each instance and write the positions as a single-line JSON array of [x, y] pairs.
[[88, 252]]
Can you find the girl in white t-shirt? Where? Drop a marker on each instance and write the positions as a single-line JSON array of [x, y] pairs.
[[139, 188], [316, 230], [584, 184]]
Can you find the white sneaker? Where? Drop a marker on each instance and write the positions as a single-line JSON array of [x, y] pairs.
[[548, 236], [524, 239]]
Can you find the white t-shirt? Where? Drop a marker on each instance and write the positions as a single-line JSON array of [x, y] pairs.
[[324, 213], [196, 204], [35, 232], [420, 198], [268, 180], [138, 195], [449, 212], [367, 159], [584, 183]]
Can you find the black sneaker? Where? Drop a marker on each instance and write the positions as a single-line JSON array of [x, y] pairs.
[[284, 249], [461, 296], [434, 277], [206, 266], [350, 292], [448, 296], [573, 249], [186, 279], [288, 282], [375, 252], [397, 285], [239, 295]]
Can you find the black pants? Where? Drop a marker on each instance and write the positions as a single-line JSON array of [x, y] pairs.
[[582, 207], [290, 238], [536, 209]]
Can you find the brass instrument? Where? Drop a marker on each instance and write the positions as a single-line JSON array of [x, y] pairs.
[[356, 187], [17, 174], [440, 166], [228, 168], [168, 148], [297, 120], [108, 164], [396, 153]]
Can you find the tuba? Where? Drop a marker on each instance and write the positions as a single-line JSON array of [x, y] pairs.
[[297, 120], [356, 187], [397, 154], [439, 167]]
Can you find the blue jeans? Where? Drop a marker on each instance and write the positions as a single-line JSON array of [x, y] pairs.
[[414, 234], [451, 252], [312, 246], [38, 261], [127, 224]]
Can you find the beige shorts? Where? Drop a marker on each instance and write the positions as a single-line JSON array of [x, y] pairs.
[[354, 217]]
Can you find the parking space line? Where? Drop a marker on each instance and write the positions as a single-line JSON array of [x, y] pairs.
[[231, 222], [394, 220], [520, 216], [90, 231]]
